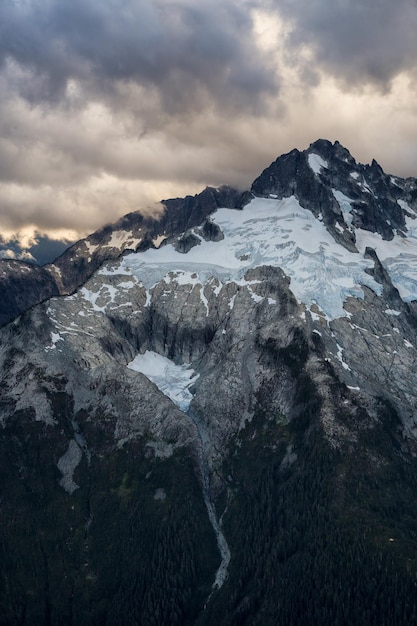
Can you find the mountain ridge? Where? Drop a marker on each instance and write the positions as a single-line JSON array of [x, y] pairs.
[[69, 270]]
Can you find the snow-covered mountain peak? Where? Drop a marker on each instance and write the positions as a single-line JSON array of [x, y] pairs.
[[312, 177], [240, 352], [271, 232], [315, 222]]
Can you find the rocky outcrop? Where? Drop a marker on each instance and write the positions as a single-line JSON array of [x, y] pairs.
[[23, 285], [211, 231], [376, 197], [134, 231], [186, 242]]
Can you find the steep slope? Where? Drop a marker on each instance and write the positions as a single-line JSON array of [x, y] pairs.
[[222, 428], [135, 231], [346, 195], [23, 285]]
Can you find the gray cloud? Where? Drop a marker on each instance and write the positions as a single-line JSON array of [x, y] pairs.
[[186, 51], [358, 41], [107, 107]]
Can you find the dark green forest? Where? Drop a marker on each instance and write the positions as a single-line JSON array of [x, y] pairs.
[[318, 535]]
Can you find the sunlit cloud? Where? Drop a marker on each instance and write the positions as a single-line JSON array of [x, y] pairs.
[[161, 99]]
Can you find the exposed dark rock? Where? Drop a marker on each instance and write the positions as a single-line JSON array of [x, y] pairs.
[[375, 194], [185, 213], [211, 231], [23, 285], [185, 243]]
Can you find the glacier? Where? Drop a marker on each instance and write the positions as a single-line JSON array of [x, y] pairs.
[[267, 231], [173, 380]]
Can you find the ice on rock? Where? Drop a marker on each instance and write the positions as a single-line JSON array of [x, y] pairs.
[[280, 233], [173, 380], [399, 257], [345, 204], [317, 163]]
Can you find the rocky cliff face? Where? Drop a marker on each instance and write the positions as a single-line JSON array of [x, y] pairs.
[[200, 414], [23, 285], [322, 177]]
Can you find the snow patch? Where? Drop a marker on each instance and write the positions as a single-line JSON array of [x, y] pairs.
[[232, 302], [127, 284], [317, 163], [158, 240], [405, 206], [55, 269], [123, 239], [204, 299], [345, 204], [148, 299], [173, 380], [255, 296], [92, 298], [55, 337], [339, 357], [90, 247], [218, 286]]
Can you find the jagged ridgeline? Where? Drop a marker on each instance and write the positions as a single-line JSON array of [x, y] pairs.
[[210, 417]]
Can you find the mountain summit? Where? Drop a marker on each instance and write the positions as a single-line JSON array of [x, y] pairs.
[[216, 419]]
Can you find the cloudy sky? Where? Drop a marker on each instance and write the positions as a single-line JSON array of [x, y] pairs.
[[107, 106]]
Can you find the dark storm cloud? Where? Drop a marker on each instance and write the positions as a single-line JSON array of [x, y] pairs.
[[358, 41], [107, 106], [185, 50]]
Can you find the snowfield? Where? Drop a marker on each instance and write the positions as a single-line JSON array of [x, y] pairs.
[[173, 380], [280, 233], [266, 232]]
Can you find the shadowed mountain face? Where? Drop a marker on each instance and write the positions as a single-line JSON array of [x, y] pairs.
[[217, 423], [23, 285]]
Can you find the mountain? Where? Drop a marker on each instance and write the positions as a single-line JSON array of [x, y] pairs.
[[217, 423], [78, 262]]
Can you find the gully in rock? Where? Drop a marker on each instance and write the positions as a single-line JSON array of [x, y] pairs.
[[203, 436]]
